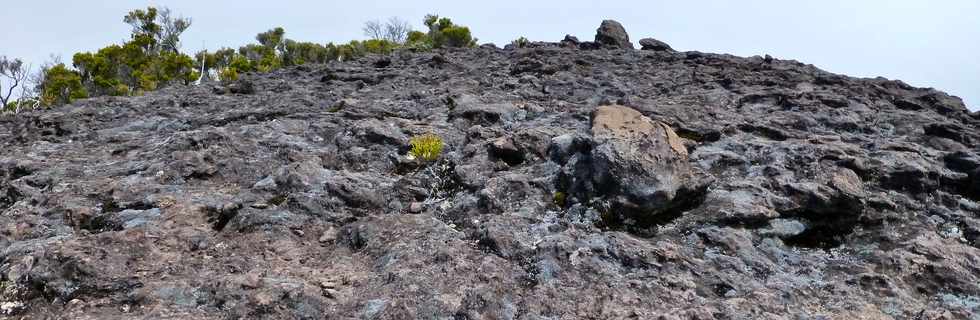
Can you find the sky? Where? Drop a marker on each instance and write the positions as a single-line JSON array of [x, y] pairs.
[[923, 43]]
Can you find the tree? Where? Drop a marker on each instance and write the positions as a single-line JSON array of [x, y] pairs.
[[255, 57], [159, 25], [272, 39], [148, 61], [28, 93], [145, 29], [263, 57], [14, 74], [394, 30], [374, 29], [171, 30]]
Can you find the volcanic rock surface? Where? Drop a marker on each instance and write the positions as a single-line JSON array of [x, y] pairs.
[[574, 184]]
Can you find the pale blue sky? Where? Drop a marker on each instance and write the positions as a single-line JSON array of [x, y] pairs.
[[925, 43]]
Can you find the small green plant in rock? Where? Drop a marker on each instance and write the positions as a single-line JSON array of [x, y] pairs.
[[6, 286], [521, 42], [559, 199], [426, 147]]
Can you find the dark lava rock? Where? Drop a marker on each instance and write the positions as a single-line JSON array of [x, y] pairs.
[[504, 149], [612, 34], [382, 62], [570, 42], [722, 188], [654, 45], [242, 86]]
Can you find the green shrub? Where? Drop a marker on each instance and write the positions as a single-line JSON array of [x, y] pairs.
[[457, 37], [296, 53], [241, 64], [416, 36], [120, 90], [442, 33], [418, 46], [521, 42], [349, 50], [61, 86], [229, 74], [379, 46], [274, 50], [426, 147], [560, 199]]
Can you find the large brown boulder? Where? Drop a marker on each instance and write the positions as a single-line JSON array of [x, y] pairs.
[[640, 166]]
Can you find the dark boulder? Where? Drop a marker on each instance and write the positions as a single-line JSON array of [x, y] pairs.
[[504, 149], [611, 34], [654, 45], [570, 41], [242, 86], [382, 62], [962, 161]]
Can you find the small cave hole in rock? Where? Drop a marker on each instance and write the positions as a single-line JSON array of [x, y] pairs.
[[699, 136], [826, 230], [8, 197], [645, 222], [511, 157], [722, 289], [102, 223], [219, 217]]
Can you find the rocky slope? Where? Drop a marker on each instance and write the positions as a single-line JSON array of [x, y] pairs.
[[578, 181]]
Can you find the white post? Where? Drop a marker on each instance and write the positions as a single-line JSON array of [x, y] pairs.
[[204, 59]]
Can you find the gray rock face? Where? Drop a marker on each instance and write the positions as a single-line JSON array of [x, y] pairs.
[[573, 184], [611, 34]]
